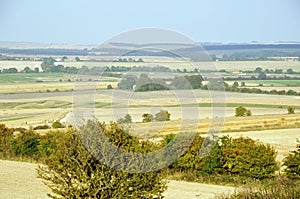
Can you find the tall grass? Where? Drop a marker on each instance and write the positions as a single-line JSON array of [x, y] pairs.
[[281, 188]]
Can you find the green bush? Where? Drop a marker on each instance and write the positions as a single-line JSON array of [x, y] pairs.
[[6, 135], [26, 145], [57, 125], [291, 110], [127, 119], [241, 156], [41, 127], [247, 157], [162, 115], [109, 86], [48, 143], [72, 172], [242, 111], [147, 117], [292, 163]]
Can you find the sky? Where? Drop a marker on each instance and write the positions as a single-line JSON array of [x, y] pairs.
[[95, 21]]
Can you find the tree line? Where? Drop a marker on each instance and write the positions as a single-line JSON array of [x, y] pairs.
[[71, 171]]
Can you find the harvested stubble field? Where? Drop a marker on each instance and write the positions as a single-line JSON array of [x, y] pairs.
[[18, 180]]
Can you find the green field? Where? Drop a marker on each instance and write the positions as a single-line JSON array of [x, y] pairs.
[[9, 78], [45, 104]]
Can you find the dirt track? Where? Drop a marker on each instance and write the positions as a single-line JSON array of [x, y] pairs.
[[18, 180]]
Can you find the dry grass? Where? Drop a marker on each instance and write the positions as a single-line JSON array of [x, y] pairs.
[[49, 87]]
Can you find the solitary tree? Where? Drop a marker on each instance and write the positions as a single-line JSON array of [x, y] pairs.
[[77, 59], [127, 119], [242, 111], [162, 115], [292, 163], [291, 110], [147, 117]]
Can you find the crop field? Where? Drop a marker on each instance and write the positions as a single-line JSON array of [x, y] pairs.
[[278, 83], [171, 63]]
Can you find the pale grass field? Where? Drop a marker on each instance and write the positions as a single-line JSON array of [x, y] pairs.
[[18, 180], [20, 65], [168, 62], [174, 64], [50, 86]]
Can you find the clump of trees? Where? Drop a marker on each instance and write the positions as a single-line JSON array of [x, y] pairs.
[[147, 117], [127, 119], [292, 163], [242, 112], [162, 115], [240, 156], [145, 83]]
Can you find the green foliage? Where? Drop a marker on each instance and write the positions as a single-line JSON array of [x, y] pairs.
[[47, 64], [292, 163], [109, 86], [262, 75], [72, 172], [48, 143], [6, 135], [127, 82], [291, 110], [241, 156], [10, 70], [57, 125], [215, 84], [41, 127], [162, 115], [152, 87], [26, 144], [250, 158], [187, 82], [127, 119], [27, 70], [242, 111], [147, 117]]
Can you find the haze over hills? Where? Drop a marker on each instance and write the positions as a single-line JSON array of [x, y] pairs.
[[232, 51]]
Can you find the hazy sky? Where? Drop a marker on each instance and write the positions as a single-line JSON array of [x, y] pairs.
[[92, 22]]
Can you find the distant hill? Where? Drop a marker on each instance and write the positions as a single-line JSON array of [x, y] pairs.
[[225, 51]]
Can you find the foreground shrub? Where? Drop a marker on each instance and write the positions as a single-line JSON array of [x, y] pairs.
[[6, 135], [72, 172], [292, 163], [41, 127], [240, 156], [26, 145], [247, 157]]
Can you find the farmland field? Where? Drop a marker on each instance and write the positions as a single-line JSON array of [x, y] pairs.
[[278, 83], [33, 99], [173, 64]]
